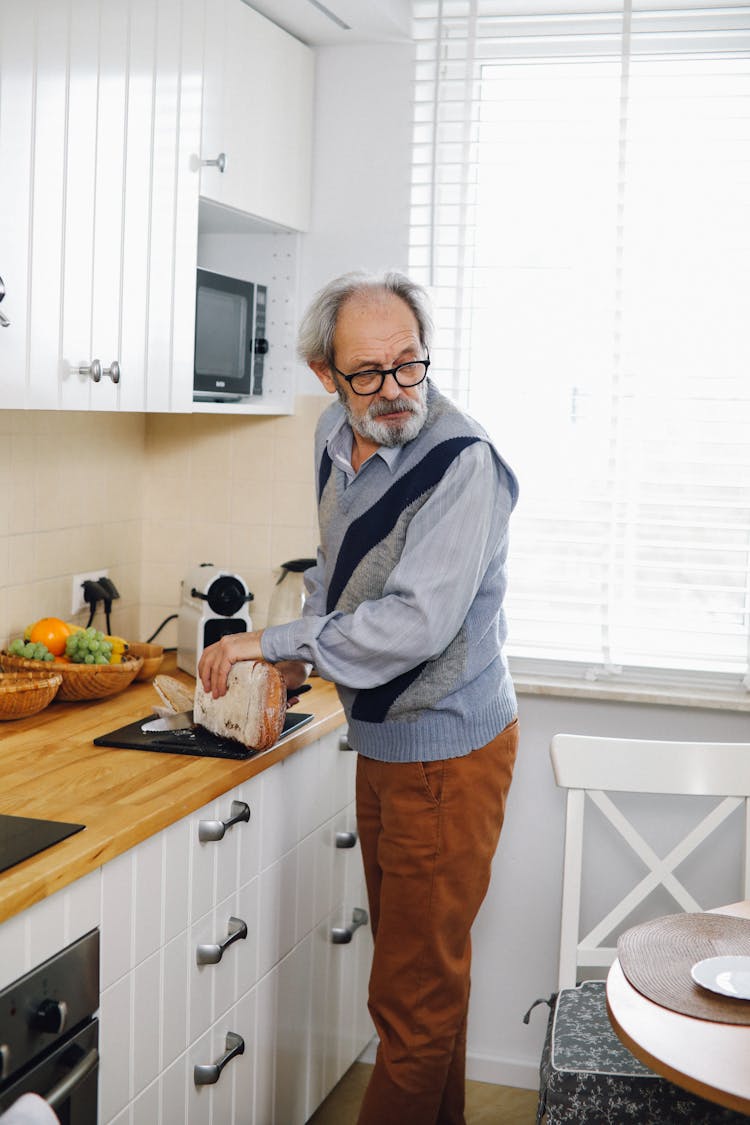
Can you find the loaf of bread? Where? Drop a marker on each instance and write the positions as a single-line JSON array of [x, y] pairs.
[[252, 710], [173, 694]]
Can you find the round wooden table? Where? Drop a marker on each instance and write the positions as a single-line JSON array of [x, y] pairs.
[[709, 1059]]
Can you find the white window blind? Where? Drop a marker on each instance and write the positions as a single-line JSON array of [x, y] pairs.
[[581, 215]]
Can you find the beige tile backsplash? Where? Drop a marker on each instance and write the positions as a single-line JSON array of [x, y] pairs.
[[149, 497]]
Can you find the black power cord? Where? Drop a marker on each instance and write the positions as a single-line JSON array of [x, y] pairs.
[[159, 628], [93, 593], [110, 593]]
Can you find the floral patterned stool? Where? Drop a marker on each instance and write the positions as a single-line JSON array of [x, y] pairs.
[[587, 1076]]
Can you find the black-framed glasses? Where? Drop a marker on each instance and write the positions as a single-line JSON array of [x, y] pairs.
[[409, 374]]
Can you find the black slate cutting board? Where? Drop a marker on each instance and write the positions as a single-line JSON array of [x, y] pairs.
[[194, 740]]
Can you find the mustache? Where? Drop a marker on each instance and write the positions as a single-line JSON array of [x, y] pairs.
[[398, 404]]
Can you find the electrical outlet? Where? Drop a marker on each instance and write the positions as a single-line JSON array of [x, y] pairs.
[[77, 599]]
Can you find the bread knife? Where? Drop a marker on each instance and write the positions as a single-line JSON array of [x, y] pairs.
[[184, 720], [181, 720]]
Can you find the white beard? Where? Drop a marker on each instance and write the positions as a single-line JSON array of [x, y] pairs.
[[389, 434]]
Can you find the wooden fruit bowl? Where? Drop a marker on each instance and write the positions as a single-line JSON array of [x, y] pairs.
[[26, 693], [80, 681], [153, 655]]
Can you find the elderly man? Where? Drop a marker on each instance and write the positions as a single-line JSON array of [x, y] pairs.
[[404, 613]]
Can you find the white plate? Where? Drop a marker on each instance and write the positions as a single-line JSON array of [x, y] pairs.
[[729, 976]]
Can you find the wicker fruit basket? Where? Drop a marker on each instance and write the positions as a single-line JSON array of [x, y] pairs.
[[26, 693], [81, 681]]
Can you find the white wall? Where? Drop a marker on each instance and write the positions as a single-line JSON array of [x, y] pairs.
[[360, 219], [361, 172]]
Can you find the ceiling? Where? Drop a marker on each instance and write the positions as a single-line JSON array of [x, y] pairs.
[[337, 22]]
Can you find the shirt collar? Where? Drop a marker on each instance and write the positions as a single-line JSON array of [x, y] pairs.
[[339, 446]]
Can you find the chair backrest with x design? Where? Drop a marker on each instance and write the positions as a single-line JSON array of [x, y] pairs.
[[591, 768]]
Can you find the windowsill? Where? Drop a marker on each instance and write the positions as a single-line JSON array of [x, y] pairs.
[[727, 699]]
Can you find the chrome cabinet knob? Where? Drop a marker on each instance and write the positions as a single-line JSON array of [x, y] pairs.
[[96, 371], [215, 829], [345, 839], [211, 954], [344, 742], [209, 1073], [4, 322], [342, 935], [219, 162]]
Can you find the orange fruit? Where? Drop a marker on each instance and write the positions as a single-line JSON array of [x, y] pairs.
[[52, 632]]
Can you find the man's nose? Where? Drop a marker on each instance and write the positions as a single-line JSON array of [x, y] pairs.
[[390, 388]]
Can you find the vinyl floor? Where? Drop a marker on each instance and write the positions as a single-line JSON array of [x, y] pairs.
[[486, 1104]]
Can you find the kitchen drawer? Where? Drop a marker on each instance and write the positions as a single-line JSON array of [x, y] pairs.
[[214, 987], [218, 866], [339, 1020]]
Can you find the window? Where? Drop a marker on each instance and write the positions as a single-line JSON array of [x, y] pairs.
[[581, 215]]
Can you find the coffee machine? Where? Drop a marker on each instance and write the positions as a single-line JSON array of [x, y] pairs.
[[214, 602]]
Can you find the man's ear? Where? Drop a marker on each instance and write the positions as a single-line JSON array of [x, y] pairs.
[[322, 370]]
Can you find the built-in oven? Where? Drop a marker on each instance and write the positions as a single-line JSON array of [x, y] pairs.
[[49, 1033]]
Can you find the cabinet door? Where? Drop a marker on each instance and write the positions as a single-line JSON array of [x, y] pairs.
[[258, 112], [99, 136], [16, 116]]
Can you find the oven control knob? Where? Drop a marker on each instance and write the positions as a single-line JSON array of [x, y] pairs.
[[51, 1015]]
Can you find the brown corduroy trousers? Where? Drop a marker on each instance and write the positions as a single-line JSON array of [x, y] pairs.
[[428, 832]]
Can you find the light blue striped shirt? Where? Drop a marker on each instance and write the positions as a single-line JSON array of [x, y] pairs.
[[451, 541]]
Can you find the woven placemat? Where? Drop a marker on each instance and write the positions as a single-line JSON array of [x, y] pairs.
[[656, 957]]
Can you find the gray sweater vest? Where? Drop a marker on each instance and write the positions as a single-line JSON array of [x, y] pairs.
[[450, 705]]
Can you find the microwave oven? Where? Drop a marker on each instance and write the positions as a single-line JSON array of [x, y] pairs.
[[230, 338]]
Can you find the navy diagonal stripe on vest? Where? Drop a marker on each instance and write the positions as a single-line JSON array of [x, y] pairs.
[[324, 471], [379, 520], [373, 704]]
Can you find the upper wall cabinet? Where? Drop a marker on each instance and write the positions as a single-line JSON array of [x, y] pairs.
[[257, 116], [100, 118]]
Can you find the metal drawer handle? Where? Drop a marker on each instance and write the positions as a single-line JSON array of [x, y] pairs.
[[215, 829], [96, 371], [3, 319], [209, 1073], [342, 935], [4, 1061], [344, 742], [346, 839], [220, 162], [59, 1093], [211, 954]]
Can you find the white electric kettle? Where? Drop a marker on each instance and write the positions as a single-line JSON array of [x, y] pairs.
[[288, 595]]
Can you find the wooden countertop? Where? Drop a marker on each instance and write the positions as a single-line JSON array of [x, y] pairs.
[[52, 770]]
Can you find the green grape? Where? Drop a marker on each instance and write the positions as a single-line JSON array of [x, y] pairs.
[[30, 650], [88, 647]]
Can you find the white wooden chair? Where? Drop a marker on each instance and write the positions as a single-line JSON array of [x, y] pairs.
[[587, 1076]]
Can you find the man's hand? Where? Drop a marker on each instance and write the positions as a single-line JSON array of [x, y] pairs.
[[295, 672], [217, 659]]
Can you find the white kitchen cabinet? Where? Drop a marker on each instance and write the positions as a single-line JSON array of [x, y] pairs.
[[258, 113], [297, 999], [99, 140]]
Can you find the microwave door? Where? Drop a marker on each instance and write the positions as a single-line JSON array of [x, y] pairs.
[[223, 338]]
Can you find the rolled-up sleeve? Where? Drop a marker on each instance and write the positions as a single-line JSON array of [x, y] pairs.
[[449, 544]]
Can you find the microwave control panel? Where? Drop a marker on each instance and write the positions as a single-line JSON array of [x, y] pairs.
[[260, 347]]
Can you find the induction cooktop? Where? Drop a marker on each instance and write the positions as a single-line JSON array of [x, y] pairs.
[[191, 740], [21, 837]]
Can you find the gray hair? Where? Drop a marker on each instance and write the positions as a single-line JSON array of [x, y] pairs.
[[316, 332]]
